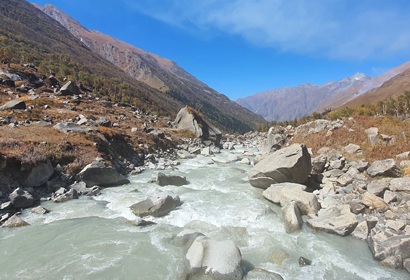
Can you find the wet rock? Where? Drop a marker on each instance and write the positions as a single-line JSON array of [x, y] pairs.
[[39, 210], [278, 256], [186, 237], [69, 88], [225, 159], [96, 173], [304, 261], [285, 193], [15, 221], [82, 189], [71, 194], [21, 198], [39, 174], [338, 220], [290, 164], [374, 202], [406, 265], [215, 259], [157, 206], [292, 217], [174, 180], [262, 274], [141, 222], [14, 105], [387, 168]]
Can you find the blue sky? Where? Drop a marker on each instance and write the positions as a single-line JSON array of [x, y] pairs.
[[242, 47]]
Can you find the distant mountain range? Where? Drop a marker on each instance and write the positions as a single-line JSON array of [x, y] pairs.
[[295, 102], [161, 74]]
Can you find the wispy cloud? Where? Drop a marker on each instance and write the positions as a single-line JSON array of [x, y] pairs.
[[340, 29]]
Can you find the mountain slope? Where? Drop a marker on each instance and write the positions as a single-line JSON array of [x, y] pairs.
[[162, 74]]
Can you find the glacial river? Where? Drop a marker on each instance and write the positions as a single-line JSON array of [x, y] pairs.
[[94, 238]]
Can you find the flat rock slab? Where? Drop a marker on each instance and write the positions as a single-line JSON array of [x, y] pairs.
[[71, 127], [97, 173], [14, 105]]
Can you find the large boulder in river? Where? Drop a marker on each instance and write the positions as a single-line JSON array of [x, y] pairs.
[[21, 198], [156, 206], [188, 119], [173, 180], [96, 173], [292, 217], [39, 174], [15, 221], [214, 259], [291, 164], [386, 167]]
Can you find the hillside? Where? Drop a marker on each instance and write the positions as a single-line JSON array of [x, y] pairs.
[[161, 74]]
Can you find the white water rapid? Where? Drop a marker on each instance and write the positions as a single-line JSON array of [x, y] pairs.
[[94, 238]]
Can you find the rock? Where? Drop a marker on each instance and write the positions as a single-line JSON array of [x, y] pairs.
[[21, 198], [188, 119], [389, 197], [71, 194], [397, 225], [226, 159], [262, 274], [338, 220], [39, 210], [406, 264], [14, 105], [278, 256], [141, 222], [290, 164], [318, 164], [69, 88], [39, 175], [372, 135], [96, 173], [245, 161], [352, 149], [206, 151], [184, 154], [215, 259], [374, 202], [387, 168], [186, 237], [285, 193], [400, 185], [5, 206], [15, 221], [292, 217], [403, 156], [304, 261], [174, 180], [317, 126], [156, 206], [71, 127], [361, 231], [276, 137], [81, 188], [378, 187]]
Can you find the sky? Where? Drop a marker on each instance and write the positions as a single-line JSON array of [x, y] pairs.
[[242, 47]]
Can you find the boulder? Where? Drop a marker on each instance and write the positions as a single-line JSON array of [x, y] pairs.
[[400, 185], [304, 261], [96, 173], [174, 180], [39, 174], [374, 202], [14, 105], [386, 167], [276, 137], [318, 164], [285, 193], [406, 264], [352, 149], [291, 164], [338, 220], [292, 217], [186, 237], [372, 135], [21, 198], [15, 221], [214, 259], [225, 159], [71, 194], [156, 206], [81, 188], [262, 274], [378, 187], [39, 210], [69, 88], [188, 119]]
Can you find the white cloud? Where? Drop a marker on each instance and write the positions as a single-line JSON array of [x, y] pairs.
[[333, 28]]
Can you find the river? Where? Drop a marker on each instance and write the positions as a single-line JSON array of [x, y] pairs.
[[94, 238]]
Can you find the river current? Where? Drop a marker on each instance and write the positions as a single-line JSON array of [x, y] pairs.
[[95, 238]]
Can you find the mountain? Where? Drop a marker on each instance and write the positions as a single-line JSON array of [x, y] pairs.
[[295, 102], [161, 74]]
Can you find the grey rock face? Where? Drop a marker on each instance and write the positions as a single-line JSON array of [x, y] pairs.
[[71, 194], [378, 187], [97, 173], [81, 188], [39, 210], [156, 206], [387, 167], [71, 127], [292, 217], [69, 88], [174, 180], [290, 164], [400, 184], [15, 221], [14, 105], [338, 220], [188, 119], [276, 137], [39, 175], [215, 259], [372, 135], [21, 198]]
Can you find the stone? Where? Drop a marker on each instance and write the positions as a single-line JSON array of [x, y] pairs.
[[292, 217], [82, 189], [372, 135], [156, 206], [225, 159], [173, 180], [406, 264], [184, 154], [262, 274], [188, 119], [397, 225], [400, 184], [186, 237], [338, 220], [403, 156], [39, 174], [14, 105], [374, 202], [352, 149], [361, 231], [291, 164], [71, 127], [285, 193], [15, 221], [69, 88], [378, 187], [275, 139], [21, 198], [304, 261], [389, 197], [71, 194], [96, 173], [318, 164], [387, 168], [278, 256], [405, 164], [39, 210], [245, 161], [214, 259]]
